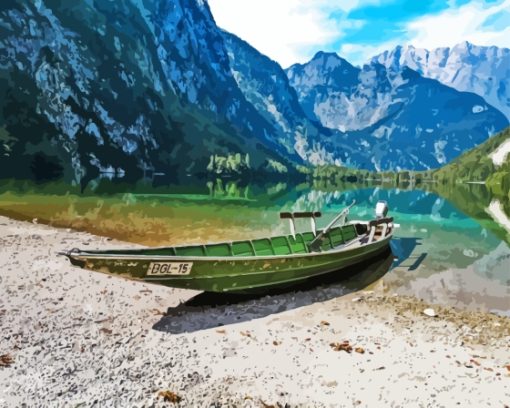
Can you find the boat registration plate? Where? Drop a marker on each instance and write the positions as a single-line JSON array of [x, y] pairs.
[[169, 268]]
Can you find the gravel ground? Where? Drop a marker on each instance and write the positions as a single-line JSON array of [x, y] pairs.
[[70, 337]]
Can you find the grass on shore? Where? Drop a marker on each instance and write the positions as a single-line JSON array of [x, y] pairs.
[[144, 220]]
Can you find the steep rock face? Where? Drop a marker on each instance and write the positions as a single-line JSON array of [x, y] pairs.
[[392, 119], [484, 71], [324, 86], [134, 86], [266, 86], [194, 58], [126, 86], [427, 124]]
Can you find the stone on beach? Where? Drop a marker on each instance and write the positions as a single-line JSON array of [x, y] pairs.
[[430, 312], [76, 338]]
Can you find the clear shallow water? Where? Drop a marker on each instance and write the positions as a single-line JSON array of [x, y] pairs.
[[452, 251], [443, 255]]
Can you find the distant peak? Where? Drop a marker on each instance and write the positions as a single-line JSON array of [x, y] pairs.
[[331, 59], [464, 44], [325, 55]]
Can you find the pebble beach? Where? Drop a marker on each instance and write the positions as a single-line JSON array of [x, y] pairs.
[[71, 337]]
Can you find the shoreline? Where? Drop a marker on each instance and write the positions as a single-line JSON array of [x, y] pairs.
[[79, 337]]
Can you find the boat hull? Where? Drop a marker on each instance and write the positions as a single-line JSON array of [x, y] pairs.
[[233, 274]]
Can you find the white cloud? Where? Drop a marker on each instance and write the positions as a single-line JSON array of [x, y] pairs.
[[445, 29], [291, 31], [287, 31], [465, 23]]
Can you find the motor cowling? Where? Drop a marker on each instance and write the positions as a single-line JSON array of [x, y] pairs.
[[381, 209]]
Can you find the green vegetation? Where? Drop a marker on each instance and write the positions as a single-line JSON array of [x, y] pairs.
[[149, 220], [233, 163], [274, 166], [217, 208], [340, 175], [476, 165]]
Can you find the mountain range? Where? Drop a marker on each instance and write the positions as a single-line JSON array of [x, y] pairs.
[[131, 86], [127, 87], [396, 119], [466, 67]]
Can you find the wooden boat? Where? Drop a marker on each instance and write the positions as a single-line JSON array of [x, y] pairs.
[[250, 265]]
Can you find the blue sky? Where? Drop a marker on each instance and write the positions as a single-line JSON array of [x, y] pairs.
[[291, 31]]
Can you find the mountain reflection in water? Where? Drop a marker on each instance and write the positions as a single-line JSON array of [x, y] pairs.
[[452, 246]]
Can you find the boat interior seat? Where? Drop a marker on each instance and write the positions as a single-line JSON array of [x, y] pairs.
[[263, 246], [349, 232], [326, 243], [242, 248], [219, 250], [297, 244], [308, 237], [336, 236], [281, 246], [190, 251]]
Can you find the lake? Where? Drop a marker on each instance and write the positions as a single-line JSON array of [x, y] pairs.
[[452, 246]]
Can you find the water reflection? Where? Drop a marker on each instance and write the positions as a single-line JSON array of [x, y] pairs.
[[483, 284], [450, 249], [403, 250], [497, 211], [452, 245]]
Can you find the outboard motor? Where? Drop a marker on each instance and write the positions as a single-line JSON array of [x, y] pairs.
[[381, 209]]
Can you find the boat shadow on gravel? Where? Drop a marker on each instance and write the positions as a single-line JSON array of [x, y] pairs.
[[208, 310]]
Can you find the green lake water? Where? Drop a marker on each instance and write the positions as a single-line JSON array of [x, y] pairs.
[[443, 254], [452, 246]]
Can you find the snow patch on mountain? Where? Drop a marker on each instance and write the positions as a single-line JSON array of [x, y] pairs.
[[411, 122], [466, 67], [479, 108], [439, 148], [497, 212], [499, 155]]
